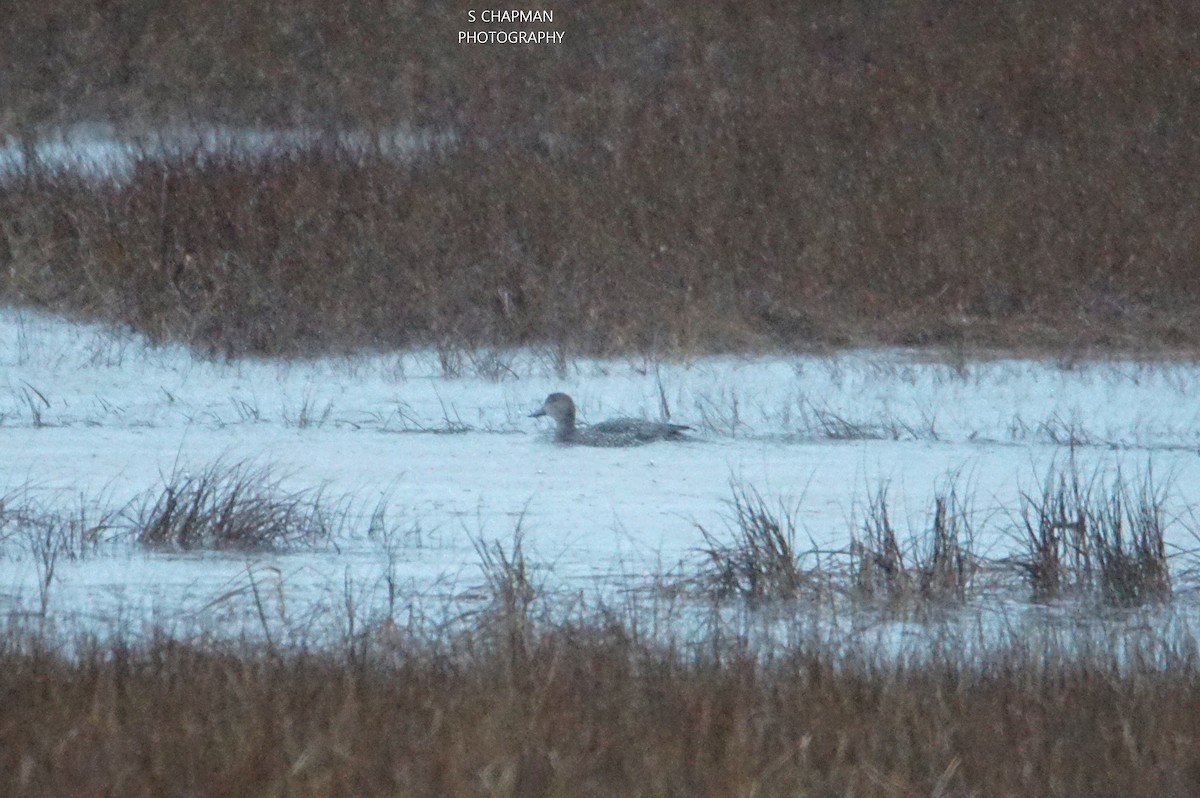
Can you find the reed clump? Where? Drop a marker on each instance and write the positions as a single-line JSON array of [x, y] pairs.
[[1084, 534], [231, 506]]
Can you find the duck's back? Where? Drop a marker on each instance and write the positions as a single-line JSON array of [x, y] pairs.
[[637, 430]]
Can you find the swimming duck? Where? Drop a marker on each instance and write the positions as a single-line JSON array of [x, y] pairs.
[[614, 432]]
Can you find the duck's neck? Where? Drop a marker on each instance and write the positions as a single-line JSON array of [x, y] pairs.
[[566, 426]]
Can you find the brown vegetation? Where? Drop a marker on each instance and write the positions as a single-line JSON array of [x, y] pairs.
[[572, 710], [230, 507], [1085, 538], [511, 699], [680, 177]]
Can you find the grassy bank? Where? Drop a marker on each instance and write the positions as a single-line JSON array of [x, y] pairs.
[[590, 708], [675, 179]]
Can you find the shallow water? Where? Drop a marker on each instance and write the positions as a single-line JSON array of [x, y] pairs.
[[91, 419]]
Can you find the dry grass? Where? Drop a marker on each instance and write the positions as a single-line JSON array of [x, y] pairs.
[[1082, 534], [675, 178], [588, 709], [231, 507], [1078, 537], [526, 698], [53, 528], [756, 559], [936, 564], [877, 561], [946, 561]]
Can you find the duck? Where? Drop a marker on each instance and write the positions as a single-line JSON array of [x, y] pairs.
[[614, 432]]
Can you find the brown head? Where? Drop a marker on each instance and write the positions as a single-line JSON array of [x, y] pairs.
[[561, 408]]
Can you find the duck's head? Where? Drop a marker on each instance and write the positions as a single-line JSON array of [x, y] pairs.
[[559, 407]]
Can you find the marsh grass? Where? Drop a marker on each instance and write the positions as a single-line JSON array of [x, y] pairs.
[[1080, 537], [827, 424], [46, 533], [756, 559], [935, 564], [946, 561], [309, 415], [50, 528], [231, 507], [508, 573], [1127, 527], [534, 695], [36, 402], [1085, 535], [876, 559], [594, 706], [1055, 534], [716, 158]]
